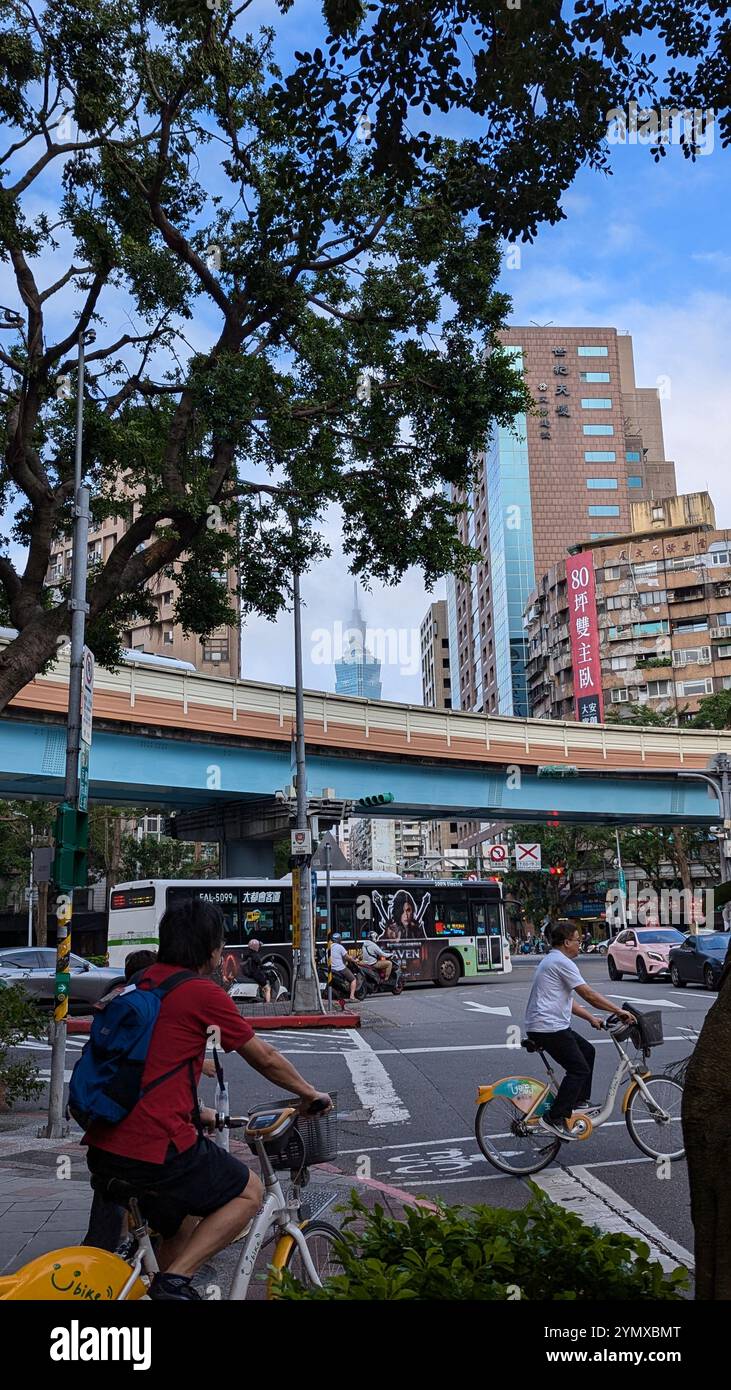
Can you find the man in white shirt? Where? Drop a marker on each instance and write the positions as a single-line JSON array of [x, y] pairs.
[[339, 963], [551, 1004], [373, 955]]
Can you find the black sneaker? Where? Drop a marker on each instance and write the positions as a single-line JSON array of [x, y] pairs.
[[174, 1286], [557, 1127]]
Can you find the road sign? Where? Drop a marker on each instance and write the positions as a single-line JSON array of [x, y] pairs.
[[87, 694], [301, 841], [498, 856], [83, 798], [42, 864], [528, 858]]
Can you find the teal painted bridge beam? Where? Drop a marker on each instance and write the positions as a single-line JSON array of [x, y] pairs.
[[175, 775]]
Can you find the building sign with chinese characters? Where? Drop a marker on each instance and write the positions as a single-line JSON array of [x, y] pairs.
[[584, 631]]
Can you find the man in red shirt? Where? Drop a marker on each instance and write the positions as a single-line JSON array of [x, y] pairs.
[[157, 1148]]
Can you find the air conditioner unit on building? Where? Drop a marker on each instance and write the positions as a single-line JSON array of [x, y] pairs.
[[719, 634]]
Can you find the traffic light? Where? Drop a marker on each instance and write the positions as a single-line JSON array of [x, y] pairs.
[[557, 870], [381, 799], [71, 860], [553, 822]]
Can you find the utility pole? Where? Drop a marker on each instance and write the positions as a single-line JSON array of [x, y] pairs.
[[306, 996], [72, 821]]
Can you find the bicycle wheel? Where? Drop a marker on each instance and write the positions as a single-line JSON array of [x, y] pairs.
[[321, 1240], [510, 1144], [655, 1128]]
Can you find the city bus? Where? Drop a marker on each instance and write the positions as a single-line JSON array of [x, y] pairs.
[[441, 930]]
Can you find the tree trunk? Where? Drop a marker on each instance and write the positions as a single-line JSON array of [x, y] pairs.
[[29, 653], [681, 857], [115, 858], [42, 915]]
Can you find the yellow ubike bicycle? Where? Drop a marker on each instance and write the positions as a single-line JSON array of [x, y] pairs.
[[508, 1129], [284, 1140]]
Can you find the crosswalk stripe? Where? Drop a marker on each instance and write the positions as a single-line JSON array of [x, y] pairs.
[[372, 1083]]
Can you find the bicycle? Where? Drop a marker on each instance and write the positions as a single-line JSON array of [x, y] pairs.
[[283, 1139], [507, 1125]]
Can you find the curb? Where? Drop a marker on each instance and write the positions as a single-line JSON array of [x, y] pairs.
[[340, 1020]]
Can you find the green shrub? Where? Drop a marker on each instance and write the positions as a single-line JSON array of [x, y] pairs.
[[20, 1018], [489, 1253]]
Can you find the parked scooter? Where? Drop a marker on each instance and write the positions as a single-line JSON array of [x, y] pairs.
[[374, 982]]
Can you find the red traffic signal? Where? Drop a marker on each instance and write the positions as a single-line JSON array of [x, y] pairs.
[[557, 870]]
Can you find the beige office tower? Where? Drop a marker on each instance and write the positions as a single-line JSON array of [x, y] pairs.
[[219, 654], [565, 474]]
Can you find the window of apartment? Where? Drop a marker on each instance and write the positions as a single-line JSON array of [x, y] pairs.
[[592, 352], [596, 403], [600, 456], [719, 557], [645, 571], [619, 601], [601, 535], [167, 636], [619, 663], [692, 656], [658, 513], [215, 649], [603, 511], [723, 651], [603, 484], [622, 695], [594, 376], [657, 690], [694, 687], [691, 625], [633, 456], [652, 598], [612, 572], [634, 480], [598, 429]]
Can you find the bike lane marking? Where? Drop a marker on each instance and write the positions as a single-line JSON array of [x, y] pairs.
[[578, 1191], [372, 1083]]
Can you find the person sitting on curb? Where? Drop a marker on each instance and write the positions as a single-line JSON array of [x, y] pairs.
[[551, 1005]]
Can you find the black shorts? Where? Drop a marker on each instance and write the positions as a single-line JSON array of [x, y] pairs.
[[194, 1183]]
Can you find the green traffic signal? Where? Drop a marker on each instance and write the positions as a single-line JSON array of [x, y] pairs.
[[381, 799]]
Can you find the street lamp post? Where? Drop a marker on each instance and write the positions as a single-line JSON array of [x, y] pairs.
[[57, 1126], [306, 996]]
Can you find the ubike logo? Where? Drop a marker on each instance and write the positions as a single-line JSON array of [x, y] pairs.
[[521, 1088], [77, 1343]]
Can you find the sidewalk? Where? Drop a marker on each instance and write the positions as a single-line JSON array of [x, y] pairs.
[[264, 1016], [45, 1196]]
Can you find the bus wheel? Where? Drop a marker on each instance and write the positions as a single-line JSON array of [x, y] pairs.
[[448, 971]]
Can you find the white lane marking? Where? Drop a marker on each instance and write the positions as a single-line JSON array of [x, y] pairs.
[[489, 1047], [485, 1009], [469, 1138], [496, 1177], [373, 1084], [46, 1076], [649, 999], [578, 1191]]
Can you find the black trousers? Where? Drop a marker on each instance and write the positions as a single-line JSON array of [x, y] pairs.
[[576, 1056]]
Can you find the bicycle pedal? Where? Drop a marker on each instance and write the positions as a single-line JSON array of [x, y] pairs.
[[580, 1125]]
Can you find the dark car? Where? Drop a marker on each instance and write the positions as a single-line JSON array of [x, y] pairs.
[[34, 967], [700, 960]]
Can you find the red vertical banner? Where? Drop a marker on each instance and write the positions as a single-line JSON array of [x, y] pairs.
[[584, 630]]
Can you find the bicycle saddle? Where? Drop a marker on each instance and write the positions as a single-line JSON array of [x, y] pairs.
[[529, 1045], [116, 1189]]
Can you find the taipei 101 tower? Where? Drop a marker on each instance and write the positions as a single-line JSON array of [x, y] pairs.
[[357, 671]]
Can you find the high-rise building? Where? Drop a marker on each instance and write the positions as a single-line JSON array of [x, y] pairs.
[[436, 680], [658, 607], [565, 474], [372, 845], [219, 654], [357, 672]]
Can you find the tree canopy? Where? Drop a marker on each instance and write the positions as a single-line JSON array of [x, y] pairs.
[[290, 269]]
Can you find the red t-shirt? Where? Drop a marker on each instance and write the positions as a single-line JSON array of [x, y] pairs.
[[163, 1117]]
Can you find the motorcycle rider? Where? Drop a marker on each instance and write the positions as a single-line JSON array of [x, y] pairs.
[[339, 963], [373, 956], [252, 968]]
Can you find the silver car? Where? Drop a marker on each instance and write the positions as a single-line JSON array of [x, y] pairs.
[[34, 967]]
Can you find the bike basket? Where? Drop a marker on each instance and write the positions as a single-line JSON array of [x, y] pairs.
[[312, 1139], [647, 1032]]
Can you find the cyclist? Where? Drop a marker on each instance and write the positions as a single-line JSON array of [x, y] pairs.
[[551, 1004], [375, 957], [340, 963], [178, 1174], [252, 968]]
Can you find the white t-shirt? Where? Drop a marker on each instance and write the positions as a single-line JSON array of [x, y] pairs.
[[338, 956], [550, 999], [371, 952]]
